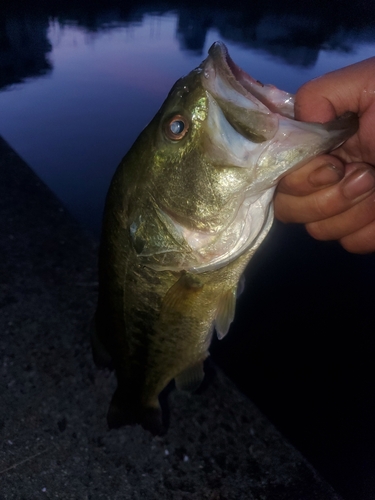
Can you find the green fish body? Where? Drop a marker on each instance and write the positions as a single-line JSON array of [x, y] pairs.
[[187, 207]]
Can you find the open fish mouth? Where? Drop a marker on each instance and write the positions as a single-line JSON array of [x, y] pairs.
[[273, 99], [252, 125], [245, 103]]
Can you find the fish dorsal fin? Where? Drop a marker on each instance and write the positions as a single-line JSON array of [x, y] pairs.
[[191, 378], [225, 312]]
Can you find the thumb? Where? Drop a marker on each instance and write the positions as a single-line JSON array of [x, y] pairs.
[[311, 105]]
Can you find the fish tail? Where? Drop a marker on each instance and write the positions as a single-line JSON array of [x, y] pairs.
[[124, 412]]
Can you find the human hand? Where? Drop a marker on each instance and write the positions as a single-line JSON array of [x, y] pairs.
[[334, 195]]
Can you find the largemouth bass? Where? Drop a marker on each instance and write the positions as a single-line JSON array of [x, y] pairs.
[[187, 208]]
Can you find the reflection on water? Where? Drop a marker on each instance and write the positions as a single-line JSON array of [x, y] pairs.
[[284, 31], [104, 72], [23, 48]]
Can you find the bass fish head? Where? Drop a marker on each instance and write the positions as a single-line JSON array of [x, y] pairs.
[[212, 157]]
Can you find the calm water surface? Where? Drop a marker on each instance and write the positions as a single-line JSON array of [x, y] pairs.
[[73, 124]]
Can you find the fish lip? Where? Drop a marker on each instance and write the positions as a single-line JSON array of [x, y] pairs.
[[236, 98], [241, 81], [264, 97]]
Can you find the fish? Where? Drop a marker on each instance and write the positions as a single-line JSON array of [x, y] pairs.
[[187, 208]]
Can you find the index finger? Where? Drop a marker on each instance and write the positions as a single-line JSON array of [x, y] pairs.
[[320, 172]]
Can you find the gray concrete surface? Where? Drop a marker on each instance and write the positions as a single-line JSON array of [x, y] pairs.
[[53, 401]]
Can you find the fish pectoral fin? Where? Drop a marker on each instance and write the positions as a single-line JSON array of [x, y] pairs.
[[225, 312], [240, 286], [190, 379], [179, 296]]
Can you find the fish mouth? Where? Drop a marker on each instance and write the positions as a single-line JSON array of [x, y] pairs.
[[265, 98], [273, 99], [251, 122], [241, 81], [250, 107]]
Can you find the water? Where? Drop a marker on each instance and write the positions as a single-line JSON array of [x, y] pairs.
[[78, 84], [101, 85]]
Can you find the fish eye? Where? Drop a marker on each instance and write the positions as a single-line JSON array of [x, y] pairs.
[[176, 128]]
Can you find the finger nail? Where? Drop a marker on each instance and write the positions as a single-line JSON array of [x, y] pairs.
[[325, 175], [358, 183]]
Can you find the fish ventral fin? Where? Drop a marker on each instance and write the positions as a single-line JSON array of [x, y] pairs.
[[225, 312], [190, 379]]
